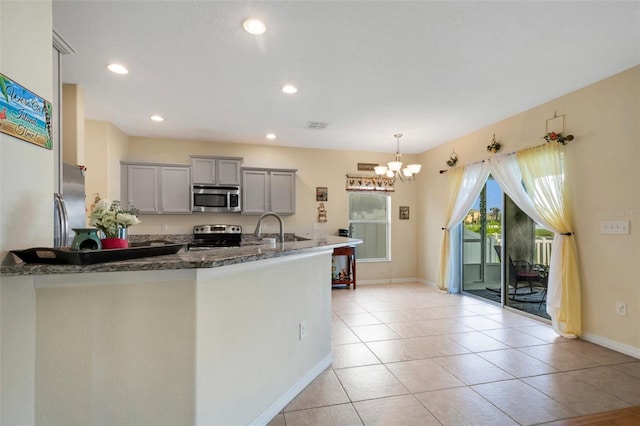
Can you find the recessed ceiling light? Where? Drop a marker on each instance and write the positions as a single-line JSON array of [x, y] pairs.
[[157, 118], [118, 69], [254, 26], [289, 89], [270, 136]]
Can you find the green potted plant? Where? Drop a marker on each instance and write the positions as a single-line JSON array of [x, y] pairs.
[[114, 221]]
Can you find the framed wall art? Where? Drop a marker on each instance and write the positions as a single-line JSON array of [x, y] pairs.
[[322, 193], [404, 212]]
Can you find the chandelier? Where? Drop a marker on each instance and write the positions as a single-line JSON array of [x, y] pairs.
[[393, 170]]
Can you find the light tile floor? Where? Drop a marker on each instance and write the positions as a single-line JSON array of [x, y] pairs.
[[406, 354]]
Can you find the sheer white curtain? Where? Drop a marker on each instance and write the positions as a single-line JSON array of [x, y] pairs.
[[473, 179], [506, 170], [543, 176]]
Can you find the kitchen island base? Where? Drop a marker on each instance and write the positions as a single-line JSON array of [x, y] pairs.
[[190, 346]]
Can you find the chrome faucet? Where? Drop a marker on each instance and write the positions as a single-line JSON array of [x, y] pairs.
[[259, 226]]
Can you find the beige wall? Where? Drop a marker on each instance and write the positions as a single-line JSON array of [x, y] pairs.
[[26, 170], [315, 168], [104, 145], [73, 149], [26, 192], [602, 181]]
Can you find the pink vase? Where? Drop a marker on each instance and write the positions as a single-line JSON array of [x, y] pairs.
[[114, 243]]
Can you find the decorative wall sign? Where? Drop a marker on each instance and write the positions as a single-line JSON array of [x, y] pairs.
[[367, 167], [369, 183], [555, 124], [404, 212], [322, 193], [24, 115], [453, 159], [495, 145], [322, 213], [554, 130]]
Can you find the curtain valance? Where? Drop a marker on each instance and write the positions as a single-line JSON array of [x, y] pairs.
[[369, 183]]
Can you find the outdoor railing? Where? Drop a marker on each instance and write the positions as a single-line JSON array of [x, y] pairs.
[[542, 252]]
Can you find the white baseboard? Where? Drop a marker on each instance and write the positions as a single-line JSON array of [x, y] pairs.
[[612, 344], [389, 281], [279, 404], [398, 281], [429, 283]]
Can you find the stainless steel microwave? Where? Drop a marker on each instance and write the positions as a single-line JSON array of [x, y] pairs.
[[216, 199]]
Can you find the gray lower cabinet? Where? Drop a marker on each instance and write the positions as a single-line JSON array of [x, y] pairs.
[[268, 190], [157, 188]]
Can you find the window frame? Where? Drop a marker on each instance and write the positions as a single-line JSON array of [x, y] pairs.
[[386, 222]]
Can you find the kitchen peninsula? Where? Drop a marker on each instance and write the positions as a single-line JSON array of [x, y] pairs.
[[221, 336]]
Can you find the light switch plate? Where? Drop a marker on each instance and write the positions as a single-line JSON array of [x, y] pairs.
[[614, 227]]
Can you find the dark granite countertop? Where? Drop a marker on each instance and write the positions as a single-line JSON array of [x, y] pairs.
[[211, 258]]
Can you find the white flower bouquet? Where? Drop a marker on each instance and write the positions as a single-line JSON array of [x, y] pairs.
[[109, 216]]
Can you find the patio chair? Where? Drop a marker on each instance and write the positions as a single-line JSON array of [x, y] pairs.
[[542, 281], [521, 273]]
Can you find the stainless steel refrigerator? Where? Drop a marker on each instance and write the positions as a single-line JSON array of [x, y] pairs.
[[69, 210]]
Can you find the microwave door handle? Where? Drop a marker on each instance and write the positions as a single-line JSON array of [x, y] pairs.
[[228, 201]]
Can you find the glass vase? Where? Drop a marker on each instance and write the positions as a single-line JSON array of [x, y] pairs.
[[123, 233]]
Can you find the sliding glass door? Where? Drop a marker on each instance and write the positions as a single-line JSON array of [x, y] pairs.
[[500, 240], [526, 256], [481, 239]]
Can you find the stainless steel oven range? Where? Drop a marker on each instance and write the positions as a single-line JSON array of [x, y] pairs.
[[215, 235]]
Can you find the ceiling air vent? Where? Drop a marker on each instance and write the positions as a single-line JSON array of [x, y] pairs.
[[316, 125]]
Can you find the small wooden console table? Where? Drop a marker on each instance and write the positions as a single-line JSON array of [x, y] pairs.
[[347, 277]]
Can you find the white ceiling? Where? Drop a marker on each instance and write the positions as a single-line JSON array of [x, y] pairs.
[[433, 70]]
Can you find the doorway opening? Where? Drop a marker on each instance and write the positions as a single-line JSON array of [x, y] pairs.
[[481, 235], [527, 252], [505, 254]]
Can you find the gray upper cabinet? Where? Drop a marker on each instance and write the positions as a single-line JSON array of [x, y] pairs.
[[175, 190], [265, 190], [215, 170], [157, 188]]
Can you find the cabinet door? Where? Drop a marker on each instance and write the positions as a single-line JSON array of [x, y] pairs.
[[175, 190], [142, 187], [254, 191], [204, 170], [228, 172], [283, 192]]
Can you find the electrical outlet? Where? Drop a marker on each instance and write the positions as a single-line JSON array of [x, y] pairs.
[[621, 309], [302, 329], [614, 227]]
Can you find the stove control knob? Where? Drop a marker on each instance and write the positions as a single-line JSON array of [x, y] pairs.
[[200, 229]]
